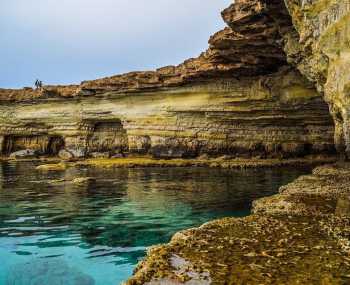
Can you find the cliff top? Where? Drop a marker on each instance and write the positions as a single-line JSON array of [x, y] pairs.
[[251, 45]]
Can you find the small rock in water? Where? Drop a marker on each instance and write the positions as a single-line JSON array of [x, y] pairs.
[[26, 153], [52, 167], [82, 180], [50, 272]]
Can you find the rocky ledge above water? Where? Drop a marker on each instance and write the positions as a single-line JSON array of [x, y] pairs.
[[301, 235]]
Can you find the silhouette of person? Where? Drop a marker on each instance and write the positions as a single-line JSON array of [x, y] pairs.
[[36, 84]]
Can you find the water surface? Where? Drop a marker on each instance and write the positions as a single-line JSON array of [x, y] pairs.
[[53, 231]]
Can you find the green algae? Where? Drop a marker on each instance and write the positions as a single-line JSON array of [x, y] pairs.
[[253, 250], [220, 162]]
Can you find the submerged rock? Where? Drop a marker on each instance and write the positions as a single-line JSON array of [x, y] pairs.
[[50, 272], [83, 180], [52, 167]]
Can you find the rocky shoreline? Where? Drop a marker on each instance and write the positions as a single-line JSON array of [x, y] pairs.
[[272, 89], [301, 235], [56, 164]]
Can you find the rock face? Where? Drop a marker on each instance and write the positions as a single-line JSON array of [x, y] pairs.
[[270, 116], [321, 51], [239, 97]]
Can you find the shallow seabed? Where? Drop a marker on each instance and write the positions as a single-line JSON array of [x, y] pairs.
[[57, 229]]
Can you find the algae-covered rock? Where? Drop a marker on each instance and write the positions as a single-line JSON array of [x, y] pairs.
[[52, 167], [83, 180]]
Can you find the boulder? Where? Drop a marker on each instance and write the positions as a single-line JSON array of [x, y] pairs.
[[65, 154], [26, 153], [78, 152], [68, 154]]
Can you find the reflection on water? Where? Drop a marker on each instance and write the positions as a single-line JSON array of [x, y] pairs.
[[53, 231]]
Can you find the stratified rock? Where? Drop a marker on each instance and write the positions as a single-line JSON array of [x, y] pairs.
[[237, 98], [276, 115]]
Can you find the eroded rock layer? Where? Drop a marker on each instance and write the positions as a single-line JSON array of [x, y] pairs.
[[279, 115]]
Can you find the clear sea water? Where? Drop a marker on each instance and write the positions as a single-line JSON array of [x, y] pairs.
[[53, 231]]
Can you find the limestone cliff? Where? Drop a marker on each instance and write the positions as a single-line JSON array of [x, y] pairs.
[[239, 97], [275, 115], [321, 51]]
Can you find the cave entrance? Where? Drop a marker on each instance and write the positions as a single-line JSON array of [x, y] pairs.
[[43, 144], [108, 136]]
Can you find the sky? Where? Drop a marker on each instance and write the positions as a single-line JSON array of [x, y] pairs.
[[68, 41]]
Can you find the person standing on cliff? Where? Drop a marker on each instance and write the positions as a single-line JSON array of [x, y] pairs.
[[38, 84]]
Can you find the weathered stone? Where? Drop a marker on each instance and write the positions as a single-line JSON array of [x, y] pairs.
[[83, 180], [26, 153], [65, 154], [320, 50], [78, 152], [100, 154]]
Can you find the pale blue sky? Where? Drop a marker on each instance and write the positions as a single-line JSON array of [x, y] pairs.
[[67, 41]]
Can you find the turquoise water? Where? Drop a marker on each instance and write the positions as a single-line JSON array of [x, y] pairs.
[[53, 231]]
